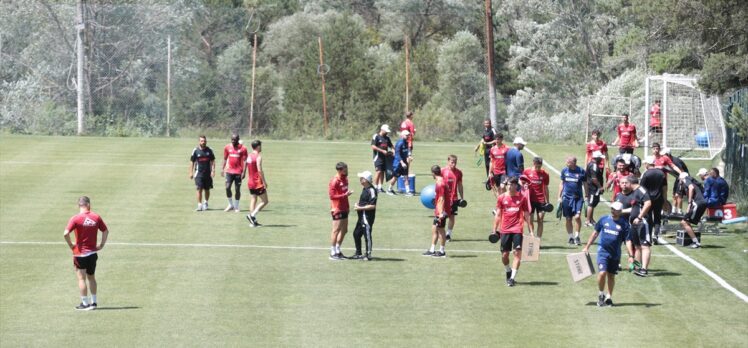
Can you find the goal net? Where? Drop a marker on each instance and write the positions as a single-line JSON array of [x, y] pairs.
[[691, 123]]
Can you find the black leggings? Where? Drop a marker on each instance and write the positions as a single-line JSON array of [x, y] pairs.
[[362, 229], [656, 211], [237, 180]]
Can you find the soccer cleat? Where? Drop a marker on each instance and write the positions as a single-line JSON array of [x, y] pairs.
[[199, 207], [251, 220], [641, 272], [609, 302], [367, 257], [357, 256], [439, 254], [449, 238], [254, 219], [428, 253], [695, 245], [391, 192], [571, 241], [82, 307], [600, 300], [205, 205], [380, 190], [577, 241], [92, 306], [508, 275], [335, 257], [510, 283], [409, 194], [229, 208], [589, 224]]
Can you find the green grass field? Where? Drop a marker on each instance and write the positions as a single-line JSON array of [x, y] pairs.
[[170, 276]]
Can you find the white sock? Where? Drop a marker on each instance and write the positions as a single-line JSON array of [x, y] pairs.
[[514, 273], [432, 248], [231, 202], [607, 295], [84, 300], [199, 206], [570, 235], [441, 248], [332, 250], [93, 298], [449, 231], [254, 213], [601, 293], [696, 241], [389, 187], [576, 234], [236, 204], [507, 268]]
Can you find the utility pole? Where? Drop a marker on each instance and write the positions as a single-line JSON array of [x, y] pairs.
[[252, 94], [168, 84], [489, 63], [79, 27], [322, 71], [407, 74]]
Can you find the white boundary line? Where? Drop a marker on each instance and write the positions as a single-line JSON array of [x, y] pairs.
[[277, 247], [675, 251]]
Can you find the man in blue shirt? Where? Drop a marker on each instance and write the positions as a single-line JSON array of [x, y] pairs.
[[400, 163], [515, 163], [716, 189], [571, 197], [613, 230]]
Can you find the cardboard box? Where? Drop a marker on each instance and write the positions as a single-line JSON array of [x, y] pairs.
[[530, 248], [580, 265], [682, 238]]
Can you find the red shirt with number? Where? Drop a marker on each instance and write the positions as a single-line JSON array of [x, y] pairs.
[[408, 125], [86, 226], [498, 158], [596, 146], [254, 181], [453, 177], [338, 191], [654, 119], [442, 193], [512, 210], [626, 135], [539, 180], [235, 158]]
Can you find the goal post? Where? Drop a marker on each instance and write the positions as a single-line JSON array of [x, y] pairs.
[[691, 121]]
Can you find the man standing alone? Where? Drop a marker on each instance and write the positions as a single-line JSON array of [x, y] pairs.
[[203, 169], [256, 183], [86, 225]]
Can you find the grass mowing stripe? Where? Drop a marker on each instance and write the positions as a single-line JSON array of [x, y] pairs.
[[675, 251]]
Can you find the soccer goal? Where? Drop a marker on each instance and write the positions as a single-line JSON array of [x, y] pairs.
[[604, 114], [691, 122]]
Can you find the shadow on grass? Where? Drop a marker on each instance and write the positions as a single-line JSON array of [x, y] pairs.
[[469, 240], [277, 226], [390, 259], [461, 256], [538, 283], [542, 247], [711, 246], [116, 308], [664, 274], [630, 304]]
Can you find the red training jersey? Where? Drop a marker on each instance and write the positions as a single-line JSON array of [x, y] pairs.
[[596, 146], [626, 135], [512, 209], [616, 178], [408, 125], [654, 119], [661, 161], [235, 158], [453, 177], [86, 226], [498, 158], [254, 181], [442, 193], [539, 180], [338, 191]]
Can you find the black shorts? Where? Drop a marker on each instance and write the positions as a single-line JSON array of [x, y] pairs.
[[695, 212], [86, 262], [510, 241], [341, 215], [453, 210], [641, 234], [623, 150], [680, 189], [655, 129], [592, 200], [400, 171], [379, 164], [440, 223], [498, 179], [656, 211], [204, 182], [537, 207], [233, 178], [257, 192]]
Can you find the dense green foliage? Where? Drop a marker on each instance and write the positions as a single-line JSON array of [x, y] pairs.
[[549, 56]]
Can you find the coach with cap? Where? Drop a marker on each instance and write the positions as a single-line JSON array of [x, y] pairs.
[[382, 148], [515, 163]]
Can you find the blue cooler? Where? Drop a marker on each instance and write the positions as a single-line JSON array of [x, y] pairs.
[[411, 182]]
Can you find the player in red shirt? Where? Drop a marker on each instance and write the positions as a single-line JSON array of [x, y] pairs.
[[339, 208], [442, 205], [597, 144], [234, 156], [497, 170], [256, 183], [86, 226], [538, 187], [511, 210], [453, 176], [408, 125], [655, 118], [615, 178], [627, 139]]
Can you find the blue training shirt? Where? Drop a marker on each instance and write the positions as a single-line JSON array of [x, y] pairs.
[[515, 163], [573, 181], [401, 152], [612, 234]]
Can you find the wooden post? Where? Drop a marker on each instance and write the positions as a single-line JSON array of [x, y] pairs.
[[322, 75], [252, 94], [489, 63], [168, 85], [407, 74], [80, 26]]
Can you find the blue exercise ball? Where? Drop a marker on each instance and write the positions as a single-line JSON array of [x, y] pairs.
[[427, 196], [703, 138]]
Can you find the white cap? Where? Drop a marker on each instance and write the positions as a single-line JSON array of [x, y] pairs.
[[385, 128], [597, 154], [519, 140], [627, 158], [616, 206], [366, 175], [702, 172], [682, 175], [404, 132], [665, 151], [649, 160]]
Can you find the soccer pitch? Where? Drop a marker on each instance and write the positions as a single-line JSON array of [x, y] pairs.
[[170, 276]]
